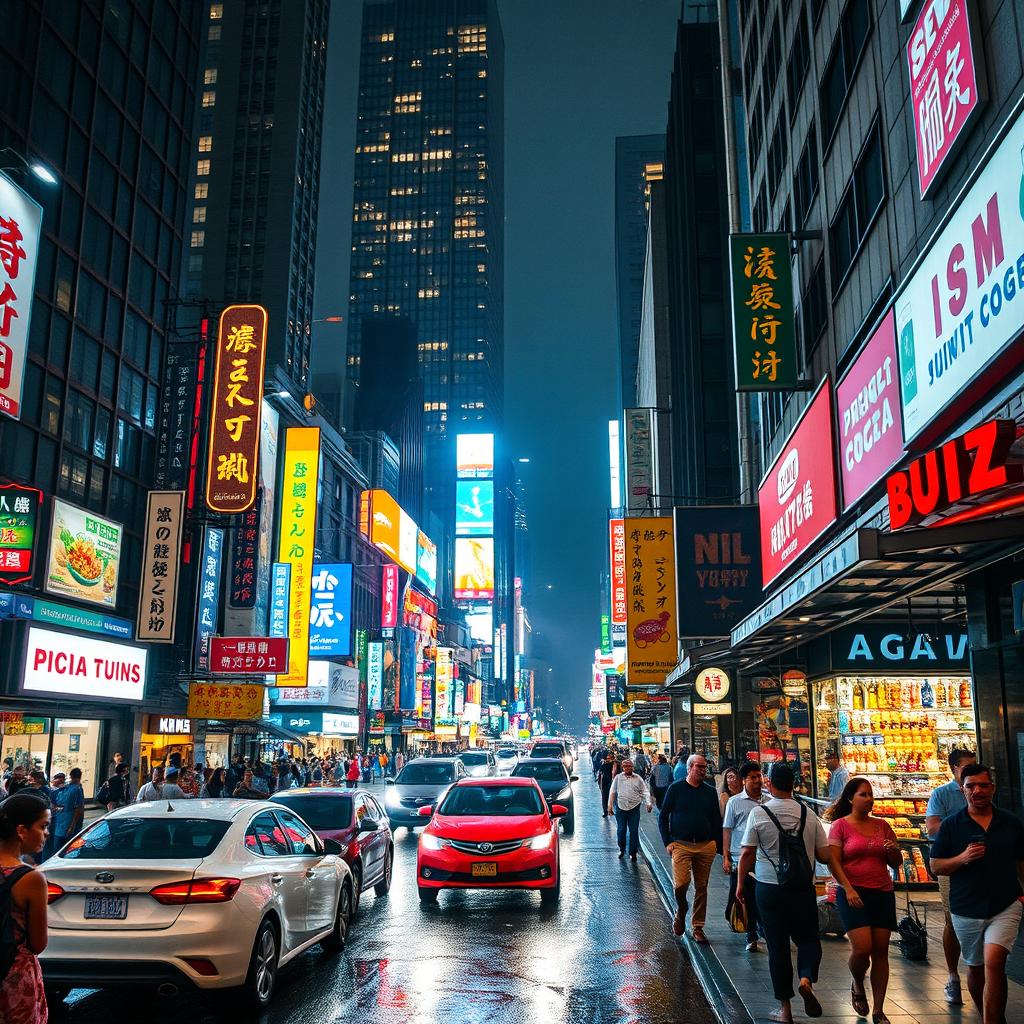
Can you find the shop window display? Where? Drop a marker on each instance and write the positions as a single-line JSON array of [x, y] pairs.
[[783, 734]]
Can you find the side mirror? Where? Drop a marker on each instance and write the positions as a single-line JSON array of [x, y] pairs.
[[574, 778], [369, 825], [333, 846], [389, 781], [557, 810], [425, 812]]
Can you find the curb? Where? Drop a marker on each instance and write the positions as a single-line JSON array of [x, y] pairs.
[[721, 994]]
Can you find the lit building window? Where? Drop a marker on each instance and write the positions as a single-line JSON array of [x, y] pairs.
[[428, 293], [209, 98], [198, 239], [210, 76], [202, 190], [205, 143], [216, 12], [199, 215], [202, 167]]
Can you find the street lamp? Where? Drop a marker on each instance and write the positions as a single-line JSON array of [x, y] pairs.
[[34, 167]]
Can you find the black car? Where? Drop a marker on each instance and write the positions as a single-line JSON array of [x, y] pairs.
[[555, 782]]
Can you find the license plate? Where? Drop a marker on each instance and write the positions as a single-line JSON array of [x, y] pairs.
[[107, 908], [486, 869]]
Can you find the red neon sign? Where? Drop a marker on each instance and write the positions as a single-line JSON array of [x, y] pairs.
[[389, 597], [964, 467]]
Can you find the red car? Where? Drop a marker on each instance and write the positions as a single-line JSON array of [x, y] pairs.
[[490, 833], [355, 819]]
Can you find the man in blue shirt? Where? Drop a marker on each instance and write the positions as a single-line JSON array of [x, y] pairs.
[[945, 801], [69, 802], [839, 776]]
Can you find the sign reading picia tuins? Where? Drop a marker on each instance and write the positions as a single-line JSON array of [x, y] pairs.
[[231, 476], [763, 312]]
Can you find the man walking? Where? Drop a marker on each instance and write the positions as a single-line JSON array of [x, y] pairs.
[[690, 823], [158, 789], [785, 837], [69, 801], [944, 802], [981, 848], [627, 793], [605, 774], [661, 779], [737, 811]]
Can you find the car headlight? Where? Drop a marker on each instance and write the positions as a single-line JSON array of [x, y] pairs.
[[392, 798], [565, 794], [543, 841], [431, 842]]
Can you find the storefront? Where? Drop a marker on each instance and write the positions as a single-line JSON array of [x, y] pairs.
[[166, 741], [324, 732], [53, 745]]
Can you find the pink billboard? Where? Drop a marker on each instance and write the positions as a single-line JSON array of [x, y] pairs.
[[868, 411], [947, 84]]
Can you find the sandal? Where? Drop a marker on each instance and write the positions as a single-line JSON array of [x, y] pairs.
[[879, 1018], [811, 1005], [781, 1017], [860, 1002]]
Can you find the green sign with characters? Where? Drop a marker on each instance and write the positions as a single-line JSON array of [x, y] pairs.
[[763, 313], [606, 634]]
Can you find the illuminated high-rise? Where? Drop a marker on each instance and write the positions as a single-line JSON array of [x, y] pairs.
[[428, 234]]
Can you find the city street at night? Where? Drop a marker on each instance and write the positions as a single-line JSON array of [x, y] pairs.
[[603, 955]]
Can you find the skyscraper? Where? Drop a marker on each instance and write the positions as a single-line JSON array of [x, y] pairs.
[[256, 166], [638, 160], [428, 218]]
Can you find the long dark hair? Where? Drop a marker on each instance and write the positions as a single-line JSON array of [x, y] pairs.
[[21, 809], [725, 780], [844, 805]]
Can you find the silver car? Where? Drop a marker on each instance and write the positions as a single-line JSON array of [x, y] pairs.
[[507, 758], [479, 764], [418, 784]]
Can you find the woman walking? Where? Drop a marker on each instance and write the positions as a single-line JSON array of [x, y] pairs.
[[214, 789], [867, 848], [732, 785], [24, 825], [661, 779]]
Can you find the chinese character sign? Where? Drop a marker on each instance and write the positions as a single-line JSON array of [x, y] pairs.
[[234, 702], [245, 557], [330, 625], [231, 471], [161, 554], [19, 513], [763, 312], [297, 535], [20, 220], [641, 433], [389, 597], [711, 684], [248, 655], [651, 629], [375, 675], [617, 542], [208, 603], [947, 85]]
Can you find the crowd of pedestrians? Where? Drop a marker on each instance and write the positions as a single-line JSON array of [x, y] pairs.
[[771, 843]]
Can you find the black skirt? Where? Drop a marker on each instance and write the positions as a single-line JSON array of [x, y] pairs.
[[879, 910]]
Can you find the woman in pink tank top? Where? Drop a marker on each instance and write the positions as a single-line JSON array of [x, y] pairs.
[[867, 849]]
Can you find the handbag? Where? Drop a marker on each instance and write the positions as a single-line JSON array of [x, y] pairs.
[[738, 917], [913, 941]]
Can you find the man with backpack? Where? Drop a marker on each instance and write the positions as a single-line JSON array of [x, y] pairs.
[[780, 844]]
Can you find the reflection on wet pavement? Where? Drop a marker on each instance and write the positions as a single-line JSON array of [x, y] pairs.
[[603, 955]]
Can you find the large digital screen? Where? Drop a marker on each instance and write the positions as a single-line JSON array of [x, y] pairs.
[[474, 568], [474, 508], [474, 455], [481, 624]]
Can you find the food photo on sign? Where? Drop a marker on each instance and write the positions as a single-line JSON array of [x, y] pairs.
[[85, 555]]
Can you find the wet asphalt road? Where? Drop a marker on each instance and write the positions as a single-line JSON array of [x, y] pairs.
[[603, 955]]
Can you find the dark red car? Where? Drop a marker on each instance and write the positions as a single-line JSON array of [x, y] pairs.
[[353, 818]]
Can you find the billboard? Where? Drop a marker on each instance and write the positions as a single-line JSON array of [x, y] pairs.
[[19, 517], [426, 561], [474, 508], [85, 555], [389, 597], [641, 438], [330, 612], [82, 666], [231, 470], [21, 218], [651, 629], [375, 675], [474, 568], [474, 456], [444, 695], [480, 621], [617, 545], [297, 537], [797, 497], [161, 553], [208, 598], [718, 567]]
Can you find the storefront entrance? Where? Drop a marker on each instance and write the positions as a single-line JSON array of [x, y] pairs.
[[53, 745]]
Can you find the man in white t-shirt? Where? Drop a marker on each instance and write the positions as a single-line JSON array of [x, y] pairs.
[[788, 911], [158, 789], [734, 824]]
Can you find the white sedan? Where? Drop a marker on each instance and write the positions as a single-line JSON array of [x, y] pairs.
[[202, 893]]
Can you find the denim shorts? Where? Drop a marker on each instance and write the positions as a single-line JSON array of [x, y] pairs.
[[879, 910], [975, 933]]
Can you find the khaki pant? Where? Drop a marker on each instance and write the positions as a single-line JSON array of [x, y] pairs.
[[697, 858]]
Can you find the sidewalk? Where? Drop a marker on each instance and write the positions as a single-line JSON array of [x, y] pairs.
[[737, 983]]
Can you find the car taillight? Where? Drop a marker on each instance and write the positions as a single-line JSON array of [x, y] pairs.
[[197, 890], [53, 892]]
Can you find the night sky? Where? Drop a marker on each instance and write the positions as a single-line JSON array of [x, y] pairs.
[[578, 73]]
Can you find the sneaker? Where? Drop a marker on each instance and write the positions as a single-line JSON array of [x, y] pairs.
[[622, 853], [751, 947], [952, 991], [678, 924], [632, 857]]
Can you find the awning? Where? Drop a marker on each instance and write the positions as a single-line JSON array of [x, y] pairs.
[[254, 728], [867, 571], [644, 713]]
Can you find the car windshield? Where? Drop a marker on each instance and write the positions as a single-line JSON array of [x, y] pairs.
[[425, 774], [548, 750], [553, 772], [148, 839], [320, 812], [491, 801], [473, 759], [503, 754]]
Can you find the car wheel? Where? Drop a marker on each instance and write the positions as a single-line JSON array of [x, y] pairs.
[[357, 887], [384, 885], [569, 821], [428, 897], [335, 942], [548, 896], [262, 976]]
